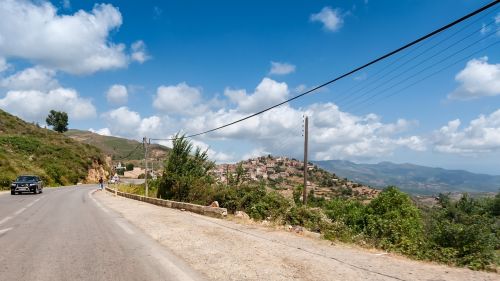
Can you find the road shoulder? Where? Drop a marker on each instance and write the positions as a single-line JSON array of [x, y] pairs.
[[225, 250]]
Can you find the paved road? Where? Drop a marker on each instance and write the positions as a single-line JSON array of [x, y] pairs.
[[65, 234]]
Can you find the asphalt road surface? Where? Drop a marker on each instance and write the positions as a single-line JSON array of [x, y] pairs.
[[65, 234]]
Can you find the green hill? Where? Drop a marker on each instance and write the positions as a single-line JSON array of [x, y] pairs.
[[28, 149], [118, 148]]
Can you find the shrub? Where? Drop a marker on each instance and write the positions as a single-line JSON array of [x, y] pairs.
[[129, 167], [304, 216], [394, 223], [184, 170], [464, 232], [272, 205]]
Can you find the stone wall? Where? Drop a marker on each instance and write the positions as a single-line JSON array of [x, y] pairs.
[[199, 209]]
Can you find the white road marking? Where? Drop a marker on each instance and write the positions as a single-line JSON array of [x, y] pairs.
[[125, 227], [19, 211], [5, 220], [97, 203], [2, 231]]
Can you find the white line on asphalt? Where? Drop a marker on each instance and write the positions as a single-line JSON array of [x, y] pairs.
[[19, 211], [97, 203], [5, 220], [124, 227], [2, 231]]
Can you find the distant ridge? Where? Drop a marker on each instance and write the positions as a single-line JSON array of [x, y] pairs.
[[413, 178], [118, 148]]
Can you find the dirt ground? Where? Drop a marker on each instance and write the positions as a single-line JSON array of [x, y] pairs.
[[232, 250]]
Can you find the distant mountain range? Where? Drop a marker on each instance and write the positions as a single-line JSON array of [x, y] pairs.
[[412, 178]]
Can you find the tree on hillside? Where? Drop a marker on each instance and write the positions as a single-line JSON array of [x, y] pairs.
[[186, 174], [58, 120], [129, 166]]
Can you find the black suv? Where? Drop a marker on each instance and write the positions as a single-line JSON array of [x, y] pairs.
[[26, 184]]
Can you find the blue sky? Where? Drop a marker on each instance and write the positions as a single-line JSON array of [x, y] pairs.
[[153, 68]]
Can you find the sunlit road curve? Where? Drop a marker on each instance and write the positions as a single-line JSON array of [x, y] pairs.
[[64, 234]]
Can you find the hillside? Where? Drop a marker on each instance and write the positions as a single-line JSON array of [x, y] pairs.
[[413, 178], [285, 174], [118, 148], [59, 160]]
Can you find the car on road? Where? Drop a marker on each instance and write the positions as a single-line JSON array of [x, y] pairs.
[[26, 183]]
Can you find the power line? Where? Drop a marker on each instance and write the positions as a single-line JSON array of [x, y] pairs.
[[406, 46], [352, 97], [351, 90], [422, 70], [131, 152], [427, 68], [430, 75]]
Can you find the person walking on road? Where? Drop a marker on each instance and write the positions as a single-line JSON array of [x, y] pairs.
[[101, 186]]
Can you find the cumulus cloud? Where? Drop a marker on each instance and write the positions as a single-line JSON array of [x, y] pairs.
[[77, 43], [217, 156], [102, 132], [35, 105], [334, 134], [139, 53], [34, 78], [331, 19], [267, 93], [281, 68], [482, 135], [477, 79], [3, 65], [117, 94], [179, 99], [125, 122]]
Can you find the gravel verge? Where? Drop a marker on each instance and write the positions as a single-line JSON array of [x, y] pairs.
[[239, 250]]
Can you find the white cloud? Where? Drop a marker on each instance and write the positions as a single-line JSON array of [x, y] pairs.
[[281, 68], [139, 53], [117, 94], [66, 4], [35, 105], [122, 121], [267, 93], [217, 156], [77, 43], [34, 78], [3, 64], [179, 99], [128, 123], [482, 135], [333, 134], [331, 18], [477, 79], [102, 132]]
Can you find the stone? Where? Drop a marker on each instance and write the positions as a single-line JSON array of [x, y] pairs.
[[215, 204], [298, 229], [242, 215]]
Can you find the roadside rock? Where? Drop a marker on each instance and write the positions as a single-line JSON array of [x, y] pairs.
[[242, 215], [215, 204]]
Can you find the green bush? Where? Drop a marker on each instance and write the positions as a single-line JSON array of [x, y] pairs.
[[304, 216], [185, 171], [464, 232], [272, 205], [129, 167], [394, 223]]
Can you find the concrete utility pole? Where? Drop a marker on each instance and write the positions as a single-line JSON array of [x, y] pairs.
[[306, 131], [145, 141]]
